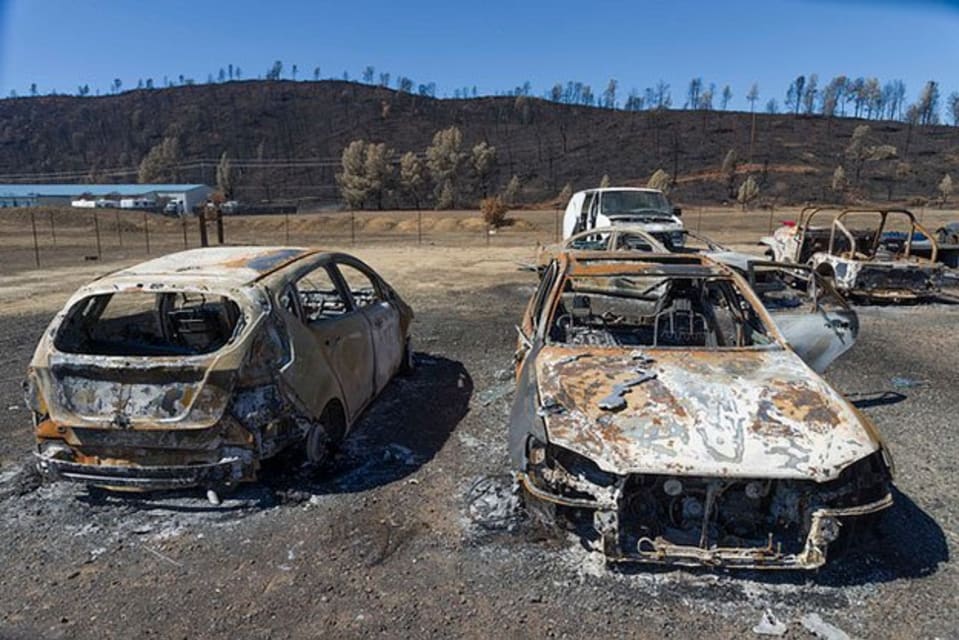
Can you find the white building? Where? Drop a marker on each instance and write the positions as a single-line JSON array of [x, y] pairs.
[[183, 197]]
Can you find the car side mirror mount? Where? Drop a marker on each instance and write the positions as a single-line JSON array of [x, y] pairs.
[[678, 212]]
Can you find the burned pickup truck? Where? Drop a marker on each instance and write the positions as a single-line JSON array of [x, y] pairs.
[[855, 251], [191, 369], [661, 413]]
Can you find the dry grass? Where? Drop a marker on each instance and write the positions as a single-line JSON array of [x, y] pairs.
[[67, 236]]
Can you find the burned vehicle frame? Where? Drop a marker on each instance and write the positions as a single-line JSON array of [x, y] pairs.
[[191, 369], [661, 414], [619, 238], [865, 265], [800, 300]]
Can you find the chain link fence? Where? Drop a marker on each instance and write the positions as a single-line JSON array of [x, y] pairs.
[[56, 237]]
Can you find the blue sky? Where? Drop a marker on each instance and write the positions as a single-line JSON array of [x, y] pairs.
[[494, 44]]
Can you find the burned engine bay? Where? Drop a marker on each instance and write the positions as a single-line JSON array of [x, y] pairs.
[[692, 520]]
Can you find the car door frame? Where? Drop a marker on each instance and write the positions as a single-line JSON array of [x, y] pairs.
[[324, 347], [381, 330], [818, 335]]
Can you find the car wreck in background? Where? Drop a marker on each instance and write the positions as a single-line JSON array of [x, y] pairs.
[[191, 369], [865, 264], [661, 413], [801, 301], [611, 238], [632, 206]]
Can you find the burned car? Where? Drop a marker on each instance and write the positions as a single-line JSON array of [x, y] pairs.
[[616, 238], [661, 413], [800, 300], [191, 369], [858, 254]]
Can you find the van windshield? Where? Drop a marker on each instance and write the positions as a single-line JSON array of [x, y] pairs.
[[634, 202], [140, 323]]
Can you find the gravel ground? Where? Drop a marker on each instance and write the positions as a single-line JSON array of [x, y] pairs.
[[392, 541]]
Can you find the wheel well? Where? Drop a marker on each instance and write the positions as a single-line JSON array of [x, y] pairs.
[[334, 418]]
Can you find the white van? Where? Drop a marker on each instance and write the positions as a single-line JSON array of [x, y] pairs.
[[648, 209]]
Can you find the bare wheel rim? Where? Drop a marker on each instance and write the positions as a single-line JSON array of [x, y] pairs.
[[317, 445]]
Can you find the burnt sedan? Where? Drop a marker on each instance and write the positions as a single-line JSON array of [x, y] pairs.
[[660, 412], [191, 369]]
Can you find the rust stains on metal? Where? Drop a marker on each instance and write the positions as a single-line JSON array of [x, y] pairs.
[[190, 369]]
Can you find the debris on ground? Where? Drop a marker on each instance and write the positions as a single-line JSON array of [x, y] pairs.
[[494, 393], [902, 382], [20, 481], [493, 502], [814, 624], [770, 625]]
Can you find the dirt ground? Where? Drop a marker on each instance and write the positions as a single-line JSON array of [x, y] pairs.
[[411, 532]]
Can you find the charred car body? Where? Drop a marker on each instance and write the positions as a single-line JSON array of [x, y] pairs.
[[866, 263], [661, 413], [612, 238], [191, 369], [800, 300]]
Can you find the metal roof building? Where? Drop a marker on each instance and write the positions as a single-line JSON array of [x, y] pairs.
[[24, 195]]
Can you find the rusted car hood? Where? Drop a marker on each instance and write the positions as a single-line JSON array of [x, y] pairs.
[[738, 413]]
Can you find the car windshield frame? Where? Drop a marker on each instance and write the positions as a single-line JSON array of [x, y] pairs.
[[765, 331]]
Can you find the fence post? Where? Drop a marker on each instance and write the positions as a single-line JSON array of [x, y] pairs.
[[146, 231], [219, 225], [186, 243], [36, 242], [96, 230], [53, 229], [201, 220], [119, 229]]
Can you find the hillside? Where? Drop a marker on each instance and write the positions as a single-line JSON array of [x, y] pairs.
[[268, 126]]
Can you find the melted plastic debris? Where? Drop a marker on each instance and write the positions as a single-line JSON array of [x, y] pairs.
[[815, 625], [770, 625]]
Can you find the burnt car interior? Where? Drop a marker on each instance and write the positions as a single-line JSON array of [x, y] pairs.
[[318, 295], [139, 323], [591, 242], [601, 241], [657, 311], [361, 286], [632, 242]]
